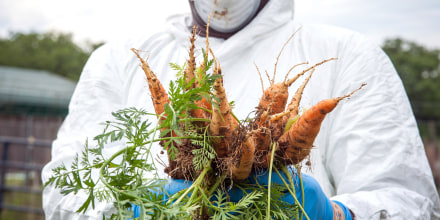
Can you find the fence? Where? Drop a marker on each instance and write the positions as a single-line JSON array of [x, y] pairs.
[[21, 194]]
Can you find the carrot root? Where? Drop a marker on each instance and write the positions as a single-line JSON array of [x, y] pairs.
[[243, 159], [223, 122], [298, 140], [159, 95]]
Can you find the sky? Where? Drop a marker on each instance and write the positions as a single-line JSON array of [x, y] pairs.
[[106, 20]]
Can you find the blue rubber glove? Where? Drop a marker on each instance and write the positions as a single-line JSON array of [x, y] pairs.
[[172, 187], [316, 204]]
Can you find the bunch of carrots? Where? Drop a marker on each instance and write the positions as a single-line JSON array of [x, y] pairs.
[[277, 133]]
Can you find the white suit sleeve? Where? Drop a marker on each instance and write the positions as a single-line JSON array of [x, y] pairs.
[[375, 156], [97, 94]]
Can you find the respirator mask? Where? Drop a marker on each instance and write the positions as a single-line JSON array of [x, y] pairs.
[[227, 15]]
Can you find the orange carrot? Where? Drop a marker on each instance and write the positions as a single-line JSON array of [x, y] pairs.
[[275, 97], [297, 142], [293, 106], [243, 159], [205, 58], [222, 121], [158, 94], [190, 77], [262, 139], [159, 97], [191, 62], [203, 103], [277, 121]]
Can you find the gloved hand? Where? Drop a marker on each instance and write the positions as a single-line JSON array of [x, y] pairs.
[[316, 204], [172, 187]]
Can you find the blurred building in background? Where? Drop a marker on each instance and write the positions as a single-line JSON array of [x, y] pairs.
[[33, 104]]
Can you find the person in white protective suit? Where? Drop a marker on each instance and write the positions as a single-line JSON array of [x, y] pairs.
[[368, 157]]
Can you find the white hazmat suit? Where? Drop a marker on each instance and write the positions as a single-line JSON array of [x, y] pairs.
[[368, 155]]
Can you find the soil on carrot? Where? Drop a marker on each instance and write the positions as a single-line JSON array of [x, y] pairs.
[[182, 167]]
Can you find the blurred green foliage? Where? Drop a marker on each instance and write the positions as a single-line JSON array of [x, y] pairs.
[[419, 69], [54, 52]]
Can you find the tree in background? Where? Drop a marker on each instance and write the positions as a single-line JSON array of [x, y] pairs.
[[419, 69], [54, 52]]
